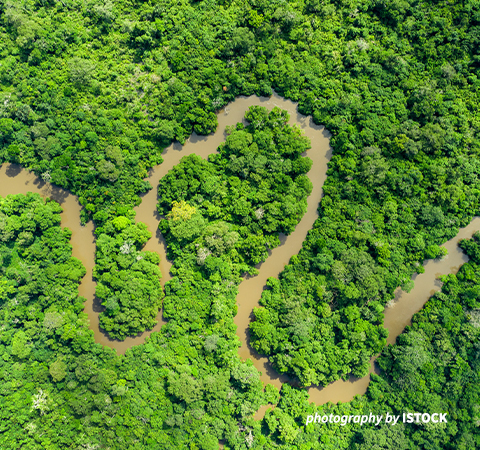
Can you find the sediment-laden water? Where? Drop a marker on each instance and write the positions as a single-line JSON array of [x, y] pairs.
[[14, 180]]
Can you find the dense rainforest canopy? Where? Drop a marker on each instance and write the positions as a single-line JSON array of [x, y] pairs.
[[61, 390], [128, 281], [256, 183], [91, 91]]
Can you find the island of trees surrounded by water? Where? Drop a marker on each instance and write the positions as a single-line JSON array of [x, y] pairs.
[[93, 91]]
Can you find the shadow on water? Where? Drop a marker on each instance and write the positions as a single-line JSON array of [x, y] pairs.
[[97, 305], [12, 170]]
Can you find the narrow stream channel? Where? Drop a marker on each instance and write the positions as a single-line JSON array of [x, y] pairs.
[[14, 180]]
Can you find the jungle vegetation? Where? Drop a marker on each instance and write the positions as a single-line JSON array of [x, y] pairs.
[[128, 280], [433, 367], [243, 196], [91, 91], [59, 389]]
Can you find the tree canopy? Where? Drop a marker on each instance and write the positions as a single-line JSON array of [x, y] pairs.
[[91, 92]]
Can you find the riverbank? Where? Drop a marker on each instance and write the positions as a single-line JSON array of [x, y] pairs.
[[397, 315]]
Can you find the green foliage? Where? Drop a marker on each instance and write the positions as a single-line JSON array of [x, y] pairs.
[[90, 93], [19, 345], [54, 376], [181, 211], [389, 84], [128, 280], [238, 201], [432, 368], [81, 71], [58, 370]]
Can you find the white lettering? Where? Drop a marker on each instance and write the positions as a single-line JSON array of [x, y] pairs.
[[390, 418], [395, 420]]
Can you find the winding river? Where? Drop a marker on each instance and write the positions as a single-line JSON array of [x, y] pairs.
[[14, 180]]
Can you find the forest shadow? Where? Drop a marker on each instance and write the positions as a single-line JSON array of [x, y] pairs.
[[12, 170], [97, 306], [57, 193]]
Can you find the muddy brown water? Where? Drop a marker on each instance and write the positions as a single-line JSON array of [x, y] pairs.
[[14, 180]]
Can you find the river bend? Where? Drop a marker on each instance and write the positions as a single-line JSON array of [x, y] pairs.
[[14, 180]]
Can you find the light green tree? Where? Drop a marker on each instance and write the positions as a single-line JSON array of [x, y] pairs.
[[20, 347], [58, 369]]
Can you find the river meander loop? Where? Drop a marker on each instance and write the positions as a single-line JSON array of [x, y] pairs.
[[15, 180]]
